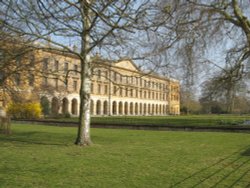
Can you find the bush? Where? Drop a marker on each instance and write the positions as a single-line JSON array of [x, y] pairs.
[[67, 115], [24, 110]]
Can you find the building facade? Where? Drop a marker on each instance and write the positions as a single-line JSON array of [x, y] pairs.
[[117, 88]]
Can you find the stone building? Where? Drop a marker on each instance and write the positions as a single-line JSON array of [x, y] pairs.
[[117, 88]]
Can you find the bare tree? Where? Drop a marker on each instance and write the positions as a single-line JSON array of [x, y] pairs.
[[91, 25], [207, 27]]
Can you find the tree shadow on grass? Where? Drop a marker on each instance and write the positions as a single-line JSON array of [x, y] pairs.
[[36, 137], [246, 152], [228, 160]]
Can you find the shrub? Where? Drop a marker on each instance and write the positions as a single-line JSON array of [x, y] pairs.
[[67, 115], [24, 110]]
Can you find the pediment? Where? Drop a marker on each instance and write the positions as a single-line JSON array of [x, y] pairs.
[[127, 64]]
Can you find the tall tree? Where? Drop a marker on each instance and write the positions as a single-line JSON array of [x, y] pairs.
[[92, 25]]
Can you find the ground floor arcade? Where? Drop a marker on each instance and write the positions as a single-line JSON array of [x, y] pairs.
[[103, 106]]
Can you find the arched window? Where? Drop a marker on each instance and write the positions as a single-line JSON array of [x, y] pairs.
[[114, 107], [74, 107], [98, 107], [55, 106], [65, 106]]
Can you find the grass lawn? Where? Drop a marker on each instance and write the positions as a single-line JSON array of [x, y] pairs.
[[44, 156], [190, 120]]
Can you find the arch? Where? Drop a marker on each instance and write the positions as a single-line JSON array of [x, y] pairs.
[[45, 104], [160, 111], [98, 107], [105, 108], [114, 109], [140, 109], [91, 107], [120, 108], [126, 108], [145, 109], [156, 109], [149, 109], [163, 109], [131, 111], [74, 106], [65, 106], [55, 105], [153, 109], [136, 109]]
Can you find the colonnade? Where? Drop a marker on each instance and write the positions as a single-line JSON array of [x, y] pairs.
[[104, 107]]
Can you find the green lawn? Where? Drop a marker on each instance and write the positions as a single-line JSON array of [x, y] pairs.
[[44, 156], [190, 120]]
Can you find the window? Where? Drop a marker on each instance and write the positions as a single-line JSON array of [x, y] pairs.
[[99, 89], [45, 64], [115, 76], [99, 74], [106, 89], [118, 77], [17, 79], [31, 80], [106, 75], [145, 94], [131, 93], [121, 78], [56, 65], [66, 84], [121, 92], [75, 85], [92, 88], [75, 69], [66, 67], [114, 90], [126, 93]]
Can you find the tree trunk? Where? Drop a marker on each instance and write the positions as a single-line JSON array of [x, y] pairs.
[[83, 134]]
